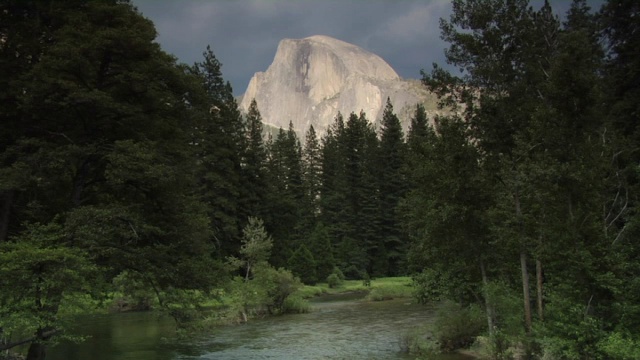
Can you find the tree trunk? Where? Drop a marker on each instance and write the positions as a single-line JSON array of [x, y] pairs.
[[37, 351], [525, 291], [539, 289], [526, 297], [79, 182], [487, 302], [5, 211]]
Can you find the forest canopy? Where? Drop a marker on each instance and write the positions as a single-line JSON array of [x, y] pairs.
[[122, 168]]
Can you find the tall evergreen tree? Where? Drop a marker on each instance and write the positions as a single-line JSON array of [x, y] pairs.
[[363, 242], [418, 129], [334, 184], [219, 140], [392, 188], [285, 198], [254, 164], [312, 174]]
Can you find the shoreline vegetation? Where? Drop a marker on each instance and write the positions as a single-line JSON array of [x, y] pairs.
[[219, 310]]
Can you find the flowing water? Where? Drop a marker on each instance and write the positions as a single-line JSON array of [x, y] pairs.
[[336, 328]]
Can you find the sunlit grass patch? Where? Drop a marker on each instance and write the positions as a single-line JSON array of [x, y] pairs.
[[390, 288], [379, 289]]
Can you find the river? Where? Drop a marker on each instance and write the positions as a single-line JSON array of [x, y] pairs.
[[336, 328]]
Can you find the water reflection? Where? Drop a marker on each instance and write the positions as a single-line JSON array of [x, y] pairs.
[[127, 336], [335, 329]]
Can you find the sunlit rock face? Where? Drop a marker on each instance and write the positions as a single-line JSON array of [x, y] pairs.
[[312, 79]]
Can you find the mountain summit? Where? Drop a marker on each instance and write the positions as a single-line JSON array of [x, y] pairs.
[[310, 80]]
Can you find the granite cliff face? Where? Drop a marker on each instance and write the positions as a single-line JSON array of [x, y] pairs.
[[312, 79]]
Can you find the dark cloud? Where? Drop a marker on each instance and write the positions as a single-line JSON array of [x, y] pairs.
[[244, 34]]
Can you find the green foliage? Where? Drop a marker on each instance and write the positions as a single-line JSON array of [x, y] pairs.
[[256, 247], [246, 298], [267, 292], [383, 293], [618, 346], [136, 294], [350, 210], [219, 142], [254, 156], [506, 304], [286, 218], [38, 269], [338, 272], [263, 288], [419, 342], [295, 305], [517, 175], [458, 326], [312, 173], [569, 331], [303, 264], [333, 281], [322, 251], [392, 187], [280, 285]]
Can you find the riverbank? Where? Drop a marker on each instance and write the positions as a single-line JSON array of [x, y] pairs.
[[337, 327], [376, 290]]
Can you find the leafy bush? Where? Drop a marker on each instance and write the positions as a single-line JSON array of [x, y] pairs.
[[279, 284], [295, 305], [419, 342], [338, 272], [457, 326], [333, 281], [621, 347]]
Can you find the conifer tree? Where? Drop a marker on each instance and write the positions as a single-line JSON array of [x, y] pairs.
[[303, 264], [392, 188], [254, 160], [312, 175], [285, 198], [218, 138], [334, 184]]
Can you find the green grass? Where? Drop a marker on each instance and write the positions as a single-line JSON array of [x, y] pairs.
[[296, 305], [381, 289]]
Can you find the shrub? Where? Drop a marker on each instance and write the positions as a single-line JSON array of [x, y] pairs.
[[621, 346], [457, 326], [279, 285], [333, 281], [418, 342], [295, 305], [338, 272]]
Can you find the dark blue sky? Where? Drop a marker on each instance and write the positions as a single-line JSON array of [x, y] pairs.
[[244, 34]]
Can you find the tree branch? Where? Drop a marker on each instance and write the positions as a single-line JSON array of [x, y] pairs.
[[45, 335]]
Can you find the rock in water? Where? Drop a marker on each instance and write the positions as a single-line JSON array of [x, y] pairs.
[[312, 79]]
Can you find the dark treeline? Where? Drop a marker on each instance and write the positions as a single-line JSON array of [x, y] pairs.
[[525, 203], [115, 159]]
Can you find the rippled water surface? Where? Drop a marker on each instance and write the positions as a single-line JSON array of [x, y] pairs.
[[337, 328]]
